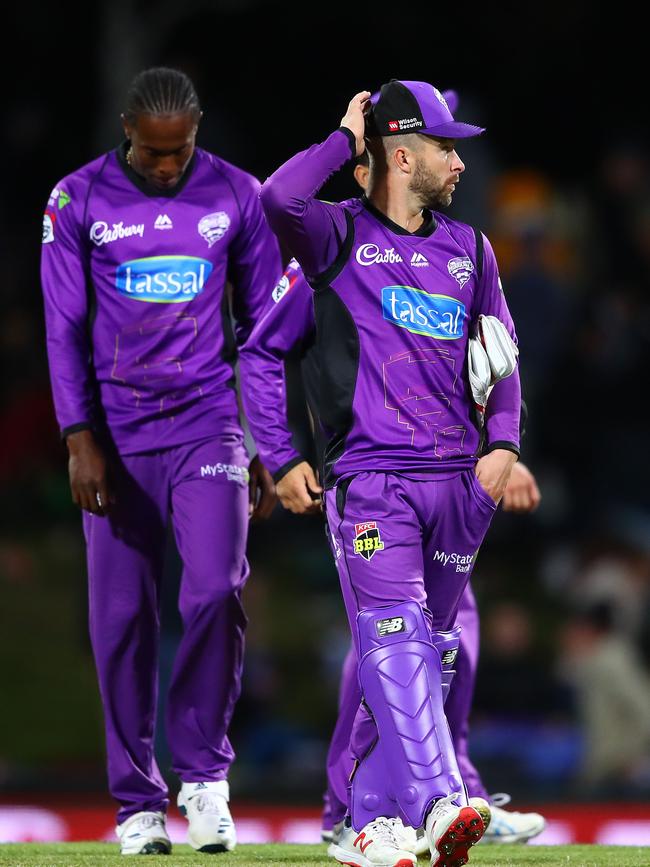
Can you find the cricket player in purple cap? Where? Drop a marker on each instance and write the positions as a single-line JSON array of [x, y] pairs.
[[137, 248], [288, 325], [397, 298]]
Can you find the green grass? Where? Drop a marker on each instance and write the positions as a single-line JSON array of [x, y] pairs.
[[286, 855]]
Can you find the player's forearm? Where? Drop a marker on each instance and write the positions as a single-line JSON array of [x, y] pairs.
[[313, 231], [69, 362], [263, 392], [254, 270], [503, 413]]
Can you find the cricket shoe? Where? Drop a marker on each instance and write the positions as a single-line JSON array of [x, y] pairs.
[[510, 826], [333, 834], [144, 834], [451, 831], [481, 806], [378, 844], [205, 806], [406, 836]]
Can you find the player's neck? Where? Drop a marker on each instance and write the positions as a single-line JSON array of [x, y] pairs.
[[397, 204]]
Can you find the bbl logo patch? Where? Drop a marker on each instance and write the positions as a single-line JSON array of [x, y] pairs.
[[367, 540]]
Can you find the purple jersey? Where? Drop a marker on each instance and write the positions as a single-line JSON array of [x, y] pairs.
[[286, 324], [394, 311], [134, 279]]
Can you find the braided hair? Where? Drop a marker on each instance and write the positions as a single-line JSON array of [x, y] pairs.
[[161, 91]]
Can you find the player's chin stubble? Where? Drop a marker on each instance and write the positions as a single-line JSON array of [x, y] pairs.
[[429, 189]]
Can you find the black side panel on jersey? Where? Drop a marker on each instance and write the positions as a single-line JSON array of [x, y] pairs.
[[337, 356], [311, 372], [337, 265], [479, 252], [229, 349]]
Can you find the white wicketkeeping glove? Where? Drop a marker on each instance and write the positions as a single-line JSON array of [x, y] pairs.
[[492, 355]]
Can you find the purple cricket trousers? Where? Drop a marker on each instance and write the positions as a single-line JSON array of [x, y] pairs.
[[395, 539], [203, 486]]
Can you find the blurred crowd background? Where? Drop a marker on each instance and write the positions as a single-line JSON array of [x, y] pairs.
[[561, 185]]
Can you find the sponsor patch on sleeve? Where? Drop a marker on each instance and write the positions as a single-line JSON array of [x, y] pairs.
[[48, 227]]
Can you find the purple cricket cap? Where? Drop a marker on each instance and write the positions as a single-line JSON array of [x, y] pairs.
[[414, 106]]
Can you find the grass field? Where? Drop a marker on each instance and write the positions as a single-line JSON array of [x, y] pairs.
[[105, 855]]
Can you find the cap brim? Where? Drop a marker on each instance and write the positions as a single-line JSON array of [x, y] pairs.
[[452, 130]]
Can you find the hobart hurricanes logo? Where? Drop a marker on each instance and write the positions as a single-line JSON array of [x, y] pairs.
[[163, 279], [367, 540], [461, 269], [437, 316]]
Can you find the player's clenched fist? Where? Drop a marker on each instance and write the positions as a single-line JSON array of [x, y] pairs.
[[299, 490], [521, 494]]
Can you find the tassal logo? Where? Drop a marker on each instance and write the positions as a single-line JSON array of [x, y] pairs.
[[163, 279], [437, 316]]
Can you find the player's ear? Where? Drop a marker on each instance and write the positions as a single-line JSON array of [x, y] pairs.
[[404, 159], [126, 126], [361, 176]]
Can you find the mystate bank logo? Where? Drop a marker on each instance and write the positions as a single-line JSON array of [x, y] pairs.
[[163, 279], [437, 316], [461, 562]]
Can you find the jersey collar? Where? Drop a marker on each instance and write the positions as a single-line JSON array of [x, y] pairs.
[[149, 189], [427, 228]]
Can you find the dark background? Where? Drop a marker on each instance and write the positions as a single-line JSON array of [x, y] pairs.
[[561, 185]]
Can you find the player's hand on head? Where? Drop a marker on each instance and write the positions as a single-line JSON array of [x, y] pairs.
[[299, 491], [261, 488], [522, 494], [88, 472], [493, 472], [355, 118]]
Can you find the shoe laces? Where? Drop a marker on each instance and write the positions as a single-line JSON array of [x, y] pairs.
[[384, 830], [397, 825], [499, 799], [443, 805]]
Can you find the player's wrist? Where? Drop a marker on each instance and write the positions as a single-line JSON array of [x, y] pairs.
[[80, 441]]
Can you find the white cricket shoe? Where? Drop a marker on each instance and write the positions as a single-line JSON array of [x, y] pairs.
[[332, 835], [144, 834], [484, 810], [378, 844], [451, 831], [480, 805], [406, 836], [205, 806], [510, 826]]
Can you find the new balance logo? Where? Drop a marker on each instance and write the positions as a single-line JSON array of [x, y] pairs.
[[361, 842], [390, 625], [418, 260], [163, 222]]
